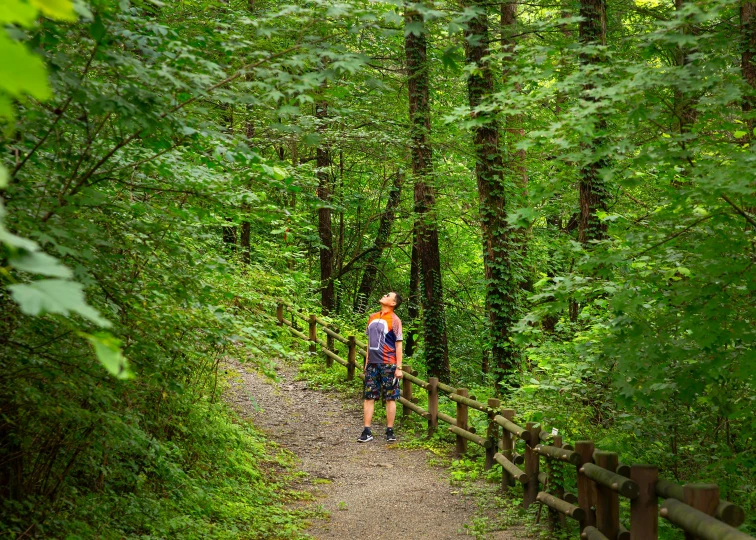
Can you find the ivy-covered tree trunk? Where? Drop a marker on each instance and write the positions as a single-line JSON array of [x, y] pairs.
[[500, 248], [748, 57], [323, 162], [413, 301], [684, 106], [515, 157], [372, 258], [593, 193], [434, 318]]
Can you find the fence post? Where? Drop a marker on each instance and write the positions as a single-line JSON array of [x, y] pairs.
[[507, 449], [585, 484], [532, 464], [556, 485], [406, 390], [644, 510], [279, 314], [329, 346], [703, 497], [351, 358], [313, 335], [493, 432], [432, 405], [461, 421], [607, 501]]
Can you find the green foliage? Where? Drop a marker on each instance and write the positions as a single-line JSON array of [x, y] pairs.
[[158, 168], [117, 191]]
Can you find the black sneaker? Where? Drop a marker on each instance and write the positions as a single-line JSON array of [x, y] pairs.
[[366, 436], [390, 437]]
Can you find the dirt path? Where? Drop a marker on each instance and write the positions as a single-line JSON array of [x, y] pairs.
[[362, 492]]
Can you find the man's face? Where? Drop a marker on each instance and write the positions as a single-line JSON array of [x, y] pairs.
[[388, 299]]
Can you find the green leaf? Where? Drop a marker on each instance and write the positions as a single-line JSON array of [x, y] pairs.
[[740, 134], [108, 351], [41, 263], [97, 29], [3, 174], [21, 72], [452, 57], [56, 9], [55, 296], [10, 239], [16, 12], [414, 28]]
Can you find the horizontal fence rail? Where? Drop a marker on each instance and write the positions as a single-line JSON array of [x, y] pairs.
[[601, 479]]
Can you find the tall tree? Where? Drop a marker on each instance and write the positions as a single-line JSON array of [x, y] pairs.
[[413, 301], [434, 318], [514, 165], [325, 233], [500, 248], [748, 57], [593, 195], [373, 258]]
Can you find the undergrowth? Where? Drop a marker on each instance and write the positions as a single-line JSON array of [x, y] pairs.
[[498, 510], [216, 477]]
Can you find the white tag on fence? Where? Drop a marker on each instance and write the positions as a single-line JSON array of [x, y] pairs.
[[554, 432]]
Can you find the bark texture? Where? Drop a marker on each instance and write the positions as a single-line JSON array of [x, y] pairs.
[[413, 301], [593, 194], [373, 258], [514, 164], [685, 114], [323, 162], [748, 56], [499, 243], [434, 318]]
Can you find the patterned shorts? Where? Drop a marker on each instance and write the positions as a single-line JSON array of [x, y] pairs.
[[381, 377]]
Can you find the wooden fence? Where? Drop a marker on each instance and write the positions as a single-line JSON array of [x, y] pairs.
[[522, 451]]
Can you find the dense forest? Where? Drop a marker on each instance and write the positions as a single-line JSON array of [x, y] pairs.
[[563, 191]]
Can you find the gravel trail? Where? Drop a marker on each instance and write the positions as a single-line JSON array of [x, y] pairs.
[[372, 490]]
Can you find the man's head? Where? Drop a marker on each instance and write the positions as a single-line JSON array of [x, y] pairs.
[[391, 300]]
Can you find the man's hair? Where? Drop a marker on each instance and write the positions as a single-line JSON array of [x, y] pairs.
[[398, 299]]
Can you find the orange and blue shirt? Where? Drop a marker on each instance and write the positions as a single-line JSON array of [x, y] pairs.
[[383, 331]]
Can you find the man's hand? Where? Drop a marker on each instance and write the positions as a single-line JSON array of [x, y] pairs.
[[398, 373]]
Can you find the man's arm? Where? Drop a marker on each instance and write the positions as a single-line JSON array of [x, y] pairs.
[[399, 373]]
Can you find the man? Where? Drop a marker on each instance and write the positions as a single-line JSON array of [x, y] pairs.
[[383, 364]]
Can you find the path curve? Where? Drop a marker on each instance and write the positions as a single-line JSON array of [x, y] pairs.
[[374, 490]]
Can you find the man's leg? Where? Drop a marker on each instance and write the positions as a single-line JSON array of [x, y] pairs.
[[368, 406], [390, 413]]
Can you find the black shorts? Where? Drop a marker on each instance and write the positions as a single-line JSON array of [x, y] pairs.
[[380, 378]]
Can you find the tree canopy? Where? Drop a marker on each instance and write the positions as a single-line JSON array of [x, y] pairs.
[[563, 192]]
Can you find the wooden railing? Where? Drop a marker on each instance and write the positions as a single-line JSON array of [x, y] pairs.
[[601, 479]]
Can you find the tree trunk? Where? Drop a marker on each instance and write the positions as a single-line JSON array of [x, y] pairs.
[[229, 235], [413, 301], [323, 161], [592, 190], [500, 248], [372, 259], [434, 318], [748, 58], [515, 162], [684, 111], [244, 242], [339, 255]]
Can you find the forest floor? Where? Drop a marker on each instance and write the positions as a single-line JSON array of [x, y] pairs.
[[371, 491]]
